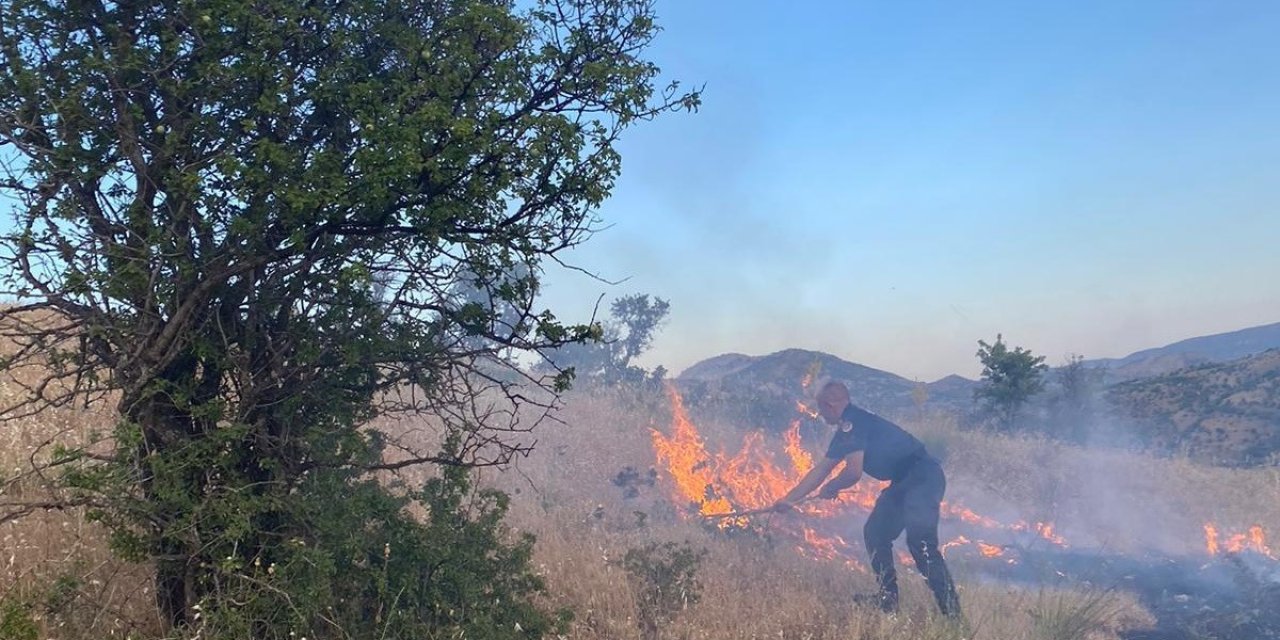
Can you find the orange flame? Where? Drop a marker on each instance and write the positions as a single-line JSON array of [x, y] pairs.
[[1042, 529], [1254, 539], [821, 546], [959, 541], [685, 455], [1258, 538], [1045, 529], [753, 478], [804, 409], [1211, 538], [967, 516], [801, 461], [810, 375]]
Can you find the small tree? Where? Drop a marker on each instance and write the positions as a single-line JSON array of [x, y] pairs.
[[1074, 406], [664, 578], [1010, 377], [633, 320], [919, 396]]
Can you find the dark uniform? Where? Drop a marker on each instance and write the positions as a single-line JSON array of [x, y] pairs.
[[911, 501]]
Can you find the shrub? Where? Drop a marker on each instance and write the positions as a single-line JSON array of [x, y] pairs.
[[664, 578]]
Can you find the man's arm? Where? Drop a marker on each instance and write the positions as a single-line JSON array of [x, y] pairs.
[[808, 483], [848, 476]]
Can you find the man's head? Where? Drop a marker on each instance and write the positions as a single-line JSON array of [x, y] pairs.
[[833, 397]]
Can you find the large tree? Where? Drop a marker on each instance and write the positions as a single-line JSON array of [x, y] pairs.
[[249, 225]]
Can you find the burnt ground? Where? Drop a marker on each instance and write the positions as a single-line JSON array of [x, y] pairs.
[[1229, 597], [1233, 596]]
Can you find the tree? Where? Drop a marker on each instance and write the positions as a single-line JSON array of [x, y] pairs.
[[919, 396], [1009, 379], [1074, 406], [246, 224], [489, 297], [625, 335]]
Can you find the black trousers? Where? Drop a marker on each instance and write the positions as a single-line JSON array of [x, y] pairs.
[[911, 503]]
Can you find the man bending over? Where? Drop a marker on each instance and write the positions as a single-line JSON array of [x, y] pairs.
[[912, 501]]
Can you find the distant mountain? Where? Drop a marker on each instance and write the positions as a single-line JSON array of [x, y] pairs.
[[1221, 347], [761, 391], [953, 388], [1217, 397], [1222, 412], [717, 367]]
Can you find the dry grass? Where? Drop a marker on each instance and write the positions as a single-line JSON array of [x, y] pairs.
[[753, 587], [1117, 500], [57, 561], [754, 591]]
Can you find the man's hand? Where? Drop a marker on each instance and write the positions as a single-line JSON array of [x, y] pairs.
[[782, 506], [829, 492]]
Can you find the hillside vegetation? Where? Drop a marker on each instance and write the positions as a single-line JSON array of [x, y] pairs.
[[1227, 412], [1211, 349], [1217, 413]]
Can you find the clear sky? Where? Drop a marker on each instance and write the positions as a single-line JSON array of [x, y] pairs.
[[890, 181]]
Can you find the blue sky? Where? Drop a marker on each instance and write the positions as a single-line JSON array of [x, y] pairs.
[[891, 181]]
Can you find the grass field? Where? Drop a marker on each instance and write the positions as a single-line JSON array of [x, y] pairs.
[[751, 586]]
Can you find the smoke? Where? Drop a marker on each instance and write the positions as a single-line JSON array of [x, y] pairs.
[[1188, 539]]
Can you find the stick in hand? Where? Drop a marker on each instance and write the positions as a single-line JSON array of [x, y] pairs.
[[754, 512]]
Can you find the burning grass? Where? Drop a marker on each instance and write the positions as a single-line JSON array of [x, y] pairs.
[[1033, 528]]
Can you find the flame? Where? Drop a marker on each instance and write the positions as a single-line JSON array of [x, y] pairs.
[[751, 477], [1254, 539], [1045, 529], [1042, 529], [967, 516], [804, 409], [811, 374], [990, 550], [827, 547], [754, 478], [821, 546], [801, 461], [685, 454], [959, 541], [1258, 538]]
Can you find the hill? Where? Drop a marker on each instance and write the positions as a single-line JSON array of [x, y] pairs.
[[1224, 412], [1221, 347], [761, 391]]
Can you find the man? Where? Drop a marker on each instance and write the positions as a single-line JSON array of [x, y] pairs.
[[867, 442]]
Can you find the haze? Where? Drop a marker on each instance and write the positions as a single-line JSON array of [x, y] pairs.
[[890, 182]]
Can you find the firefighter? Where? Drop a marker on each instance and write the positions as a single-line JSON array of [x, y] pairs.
[[868, 443]]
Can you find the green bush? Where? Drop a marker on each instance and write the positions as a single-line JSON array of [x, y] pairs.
[[364, 568], [16, 622], [664, 578]]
